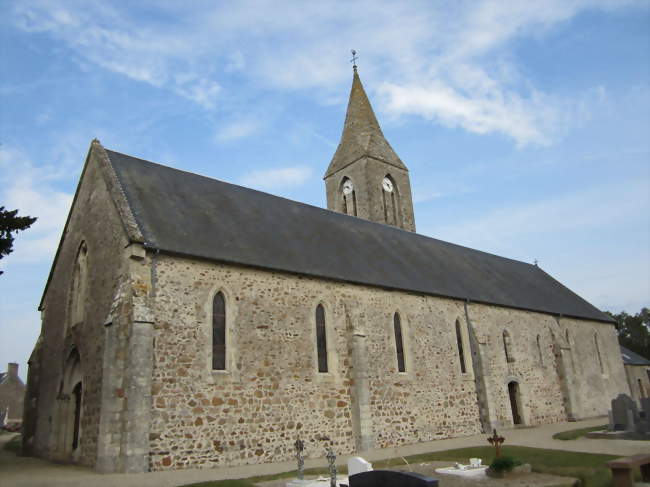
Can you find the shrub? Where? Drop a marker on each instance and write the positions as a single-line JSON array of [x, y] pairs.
[[504, 464]]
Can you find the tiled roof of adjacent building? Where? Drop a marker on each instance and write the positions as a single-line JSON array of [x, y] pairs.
[[631, 358], [191, 215], [2, 376]]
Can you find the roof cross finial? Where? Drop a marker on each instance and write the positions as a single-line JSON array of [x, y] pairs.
[[354, 60]]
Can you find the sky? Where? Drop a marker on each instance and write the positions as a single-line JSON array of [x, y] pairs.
[[525, 126]]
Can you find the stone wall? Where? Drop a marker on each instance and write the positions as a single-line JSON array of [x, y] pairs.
[[271, 392], [638, 379], [93, 220]]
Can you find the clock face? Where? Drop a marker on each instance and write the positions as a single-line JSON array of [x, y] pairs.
[[387, 185], [348, 187]]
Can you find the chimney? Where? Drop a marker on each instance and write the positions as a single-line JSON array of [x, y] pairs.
[[12, 370]]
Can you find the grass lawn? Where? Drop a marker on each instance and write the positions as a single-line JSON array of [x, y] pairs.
[[588, 467], [574, 434]]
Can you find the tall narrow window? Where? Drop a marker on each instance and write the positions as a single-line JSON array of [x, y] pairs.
[[219, 332], [540, 357], [399, 345], [459, 342], [600, 359], [79, 286], [321, 338], [390, 201], [506, 347], [349, 198], [641, 390]]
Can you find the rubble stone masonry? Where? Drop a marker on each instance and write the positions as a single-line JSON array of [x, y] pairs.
[[272, 392]]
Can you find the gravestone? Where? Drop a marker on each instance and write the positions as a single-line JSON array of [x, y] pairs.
[[643, 424], [388, 478], [624, 413], [358, 465], [645, 407]]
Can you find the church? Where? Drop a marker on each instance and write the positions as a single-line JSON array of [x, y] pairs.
[[192, 323]]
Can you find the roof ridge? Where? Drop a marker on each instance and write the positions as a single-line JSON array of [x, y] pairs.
[[335, 214]]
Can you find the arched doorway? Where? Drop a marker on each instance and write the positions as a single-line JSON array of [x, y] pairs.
[[513, 392], [70, 409]]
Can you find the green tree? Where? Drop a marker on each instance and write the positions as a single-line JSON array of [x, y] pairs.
[[634, 331], [11, 223]]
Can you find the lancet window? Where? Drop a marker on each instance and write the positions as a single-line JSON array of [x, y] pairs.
[[79, 286], [600, 359], [390, 201], [219, 332], [459, 343], [399, 344], [321, 339], [507, 349]]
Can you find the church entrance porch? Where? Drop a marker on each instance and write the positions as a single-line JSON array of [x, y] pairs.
[[513, 392]]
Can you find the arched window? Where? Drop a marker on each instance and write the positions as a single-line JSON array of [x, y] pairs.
[[321, 338], [390, 201], [459, 343], [399, 344], [540, 357], [219, 332], [79, 286], [600, 359], [348, 197], [507, 349]]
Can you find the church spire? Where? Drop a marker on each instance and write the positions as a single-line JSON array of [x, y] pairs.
[[362, 135], [366, 178]]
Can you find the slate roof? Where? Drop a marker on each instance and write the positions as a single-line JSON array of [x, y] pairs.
[[2, 377], [362, 135], [631, 358], [187, 214]]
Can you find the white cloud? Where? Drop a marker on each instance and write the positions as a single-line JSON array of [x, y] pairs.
[[30, 190], [446, 62], [590, 208], [526, 121], [236, 130], [282, 177]]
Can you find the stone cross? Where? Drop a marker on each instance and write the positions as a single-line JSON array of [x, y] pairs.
[[300, 447], [496, 440]]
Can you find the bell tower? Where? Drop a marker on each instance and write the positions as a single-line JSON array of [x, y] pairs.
[[366, 178]]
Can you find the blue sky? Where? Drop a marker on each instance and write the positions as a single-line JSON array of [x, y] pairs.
[[526, 129]]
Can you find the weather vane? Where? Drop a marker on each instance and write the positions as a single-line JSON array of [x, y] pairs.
[[354, 59]]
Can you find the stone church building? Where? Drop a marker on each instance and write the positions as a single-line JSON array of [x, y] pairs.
[[188, 322]]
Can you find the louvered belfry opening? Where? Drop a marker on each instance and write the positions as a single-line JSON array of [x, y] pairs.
[[321, 338], [218, 332]]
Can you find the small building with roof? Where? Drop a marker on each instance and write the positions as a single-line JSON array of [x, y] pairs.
[[637, 373], [12, 393], [189, 322]]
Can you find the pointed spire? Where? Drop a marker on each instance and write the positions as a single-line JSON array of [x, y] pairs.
[[362, 135]]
